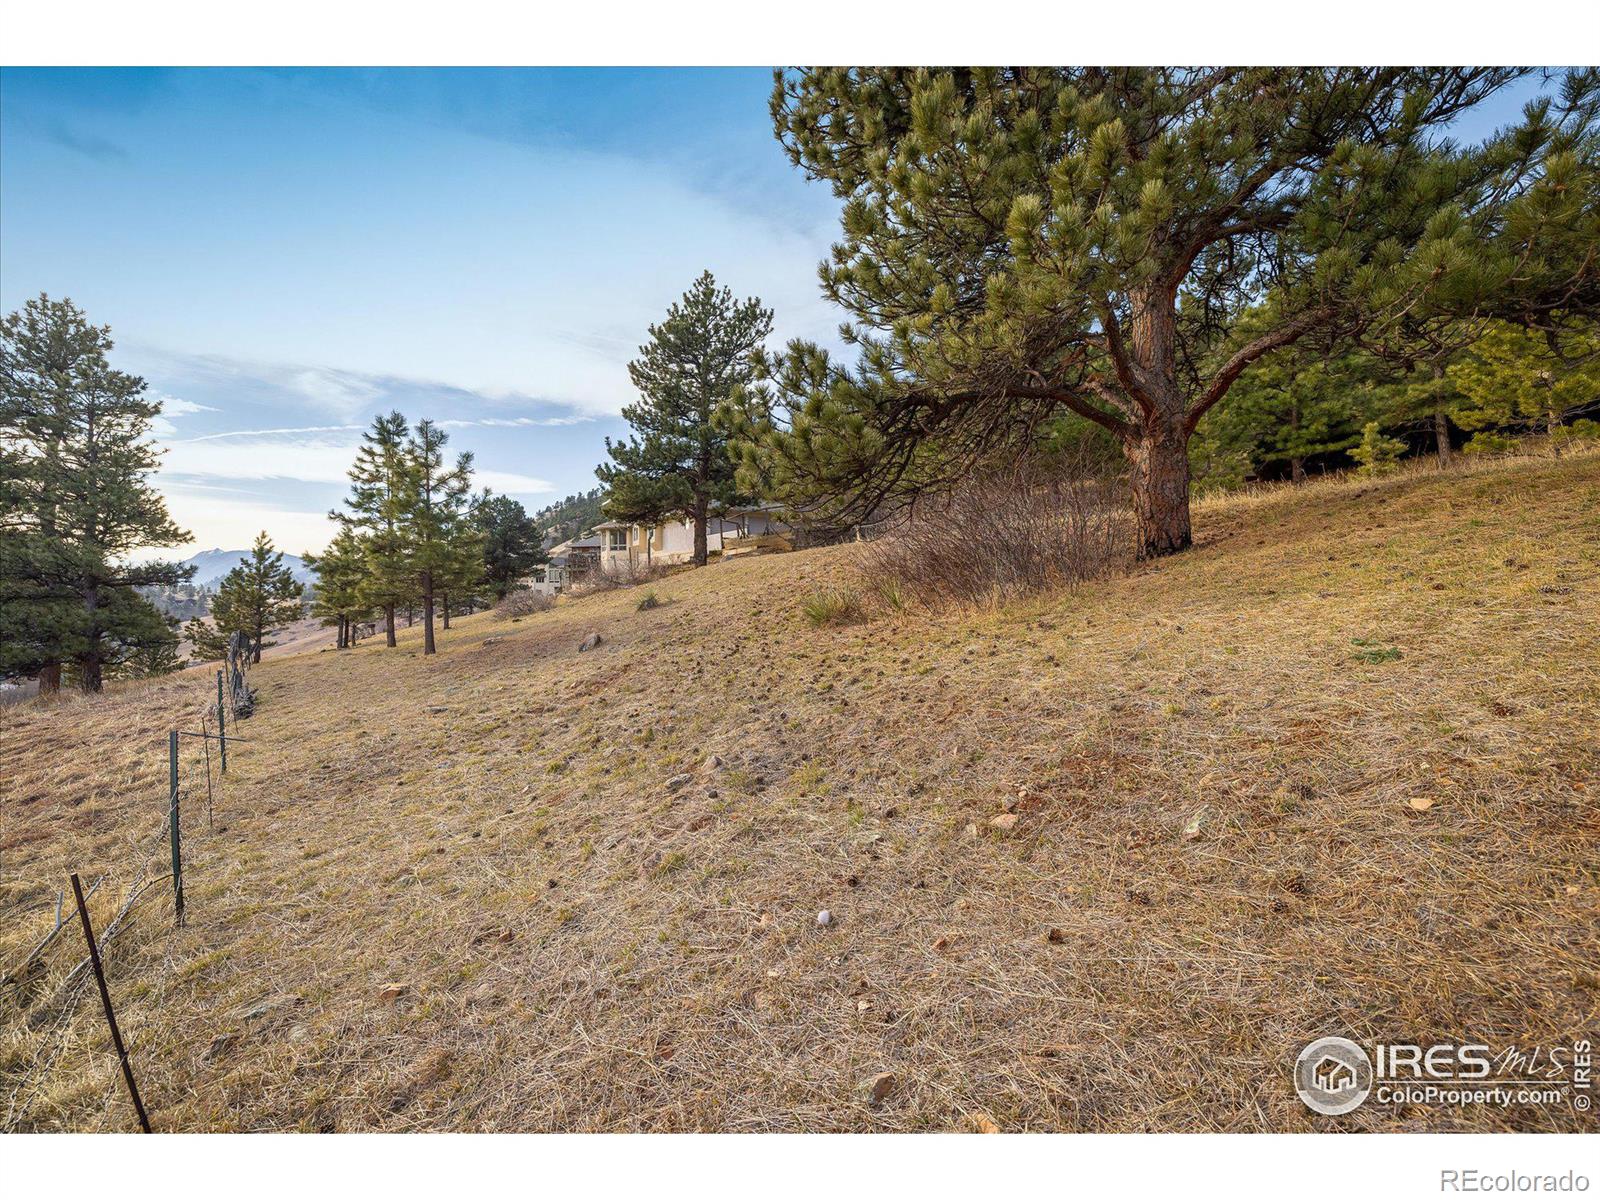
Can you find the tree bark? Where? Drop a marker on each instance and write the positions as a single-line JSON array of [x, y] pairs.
[[1158, 448], [447, 610], [1441, 423], [1158, 459], [700, 506], [427, 613], [92, 674], [50, 679], [388, 623], [1297, 469]]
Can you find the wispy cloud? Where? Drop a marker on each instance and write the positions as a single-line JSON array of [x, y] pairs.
[[98, 148], [177, 406], [256, 433], [286, 455], [342, 392]]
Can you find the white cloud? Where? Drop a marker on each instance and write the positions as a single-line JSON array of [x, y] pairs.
[[173, 406], [259, 455], [339, 392], [511, 483], [176, 406], [217, 521], [309, 461]]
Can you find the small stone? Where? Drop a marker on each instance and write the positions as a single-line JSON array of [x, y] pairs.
[[971, 831], [766, 920], [984, 1123], [774, 973], [714, 761], [879, 1086], [1191, 827], [1010, 803], [678, 782], [824, 917], [589, 643], [299, 1033], [863, 1005], [436, 708], [220, 1045], [1005, 822], [393, 991]]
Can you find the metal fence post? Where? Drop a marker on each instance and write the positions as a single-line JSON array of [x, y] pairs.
[[222, 725], [177, 856], [105, 1002]]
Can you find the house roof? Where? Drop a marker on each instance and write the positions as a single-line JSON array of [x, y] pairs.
[[613, 525], [584, 543]]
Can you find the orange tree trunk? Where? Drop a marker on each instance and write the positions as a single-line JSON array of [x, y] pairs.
[[1158, 461], [1157, 446]]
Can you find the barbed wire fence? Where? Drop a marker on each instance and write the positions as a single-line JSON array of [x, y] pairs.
[[42, 1011]]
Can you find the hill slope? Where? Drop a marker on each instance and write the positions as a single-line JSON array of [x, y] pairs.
[[597, 875]]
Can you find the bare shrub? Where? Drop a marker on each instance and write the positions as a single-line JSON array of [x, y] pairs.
[[523, 602], [619, 575], [1007, 533]]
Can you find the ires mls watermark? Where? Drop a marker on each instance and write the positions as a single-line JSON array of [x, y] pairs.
[[1335, 1075]]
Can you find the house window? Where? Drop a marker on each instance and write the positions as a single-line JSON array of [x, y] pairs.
[[618, 539]]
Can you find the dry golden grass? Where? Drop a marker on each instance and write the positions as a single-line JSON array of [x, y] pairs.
[[398, 819]]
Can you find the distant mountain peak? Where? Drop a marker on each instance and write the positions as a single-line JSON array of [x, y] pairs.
[[211, 565]]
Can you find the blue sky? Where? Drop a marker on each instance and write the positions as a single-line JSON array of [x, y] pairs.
[[285, 253]]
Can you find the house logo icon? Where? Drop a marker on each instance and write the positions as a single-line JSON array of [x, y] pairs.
[[1333, 1076]]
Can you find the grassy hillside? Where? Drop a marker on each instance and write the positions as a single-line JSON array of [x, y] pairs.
[[1333, 771]]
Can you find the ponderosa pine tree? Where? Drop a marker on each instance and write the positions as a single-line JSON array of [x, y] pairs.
[[461, 581], [433, 518], [1302, 403], [511, 543], [75, 501], [208, 641], [1016, 242], [693, 365], [1516, 380], [257, 597], [337, 599], [380, 487]]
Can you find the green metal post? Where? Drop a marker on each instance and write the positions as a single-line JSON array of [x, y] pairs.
[[222, 725], [177, 856]]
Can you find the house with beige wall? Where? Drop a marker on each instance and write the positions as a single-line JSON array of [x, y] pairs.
[[623, 544]]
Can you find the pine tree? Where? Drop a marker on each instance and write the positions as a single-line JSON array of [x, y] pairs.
[[208, 639], [340, 570], [75, 462], [1513, 379], [432, 518], [1300, 404], [1016, 242], [511, 542], [1376, 453], [380, 487], [258, 596], [462, 580], [694, 364]]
